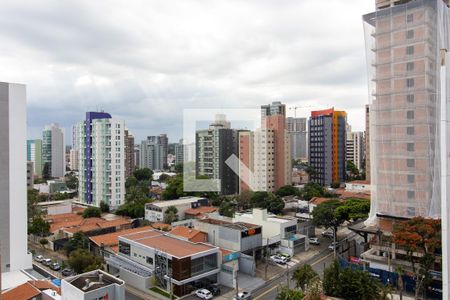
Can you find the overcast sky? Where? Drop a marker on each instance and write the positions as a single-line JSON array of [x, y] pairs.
[[145, 61]]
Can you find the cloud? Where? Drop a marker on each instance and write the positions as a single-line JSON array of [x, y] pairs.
[[145, 61]]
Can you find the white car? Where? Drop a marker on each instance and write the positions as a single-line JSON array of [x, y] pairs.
[[39, 258], [243, 296], [328, 233], [203, 294], [333, 245], [279, 259], [46, 261], [314, 241]]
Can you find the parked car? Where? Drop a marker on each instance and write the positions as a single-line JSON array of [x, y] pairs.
[[67, 272], [333, 245], [328, 233], [39, 258], [214, 289], [46, 261], [203, 294], [55, 266], [278, 259], [243, 296], [285, 255], [314, 241]]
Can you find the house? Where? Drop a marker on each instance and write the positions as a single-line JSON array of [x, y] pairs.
[[282, 232], [156, 254], [154, 212], [357, 185], [33, 290], [190, 234], [96, 284], [199, 212]]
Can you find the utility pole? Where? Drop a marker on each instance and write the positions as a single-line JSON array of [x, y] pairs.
[[267, 259], [334, 241], [237, 285], [287, 275]]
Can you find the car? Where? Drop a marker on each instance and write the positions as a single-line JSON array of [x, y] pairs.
[[55, 266], [243, 296], [214, 289], [285, 255], [328, 233], [203, 294], [46, 261], [39, 258], [314, 241], [333, 245], [278, 259], [67, 272]]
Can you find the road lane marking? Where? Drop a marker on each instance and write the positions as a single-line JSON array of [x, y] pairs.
[[276, 286]]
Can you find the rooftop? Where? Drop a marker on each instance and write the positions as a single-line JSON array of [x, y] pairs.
[[188, 233], [112, 239], [176, 202], [29, 290], [235, 225], [201, 210], [93, 280], [73, 223], [173, 246]]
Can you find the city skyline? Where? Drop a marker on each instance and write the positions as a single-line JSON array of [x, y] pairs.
[[297, 53]]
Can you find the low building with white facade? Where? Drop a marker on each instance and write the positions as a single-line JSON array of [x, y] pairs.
[[93, 285], [154, 258], [154, 212]]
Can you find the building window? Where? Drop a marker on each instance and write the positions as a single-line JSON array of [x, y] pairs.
[[410, 147], [410, 18], [409, 66], [410, 163], [149, 260], [411, 194], [409, 82], [411, 178], [411, 211], [124, 248], [410, 34], [410, 114], [409, 130], [410, 50], [410, 98]]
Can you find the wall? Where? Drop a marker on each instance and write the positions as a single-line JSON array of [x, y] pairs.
[[141, 283]]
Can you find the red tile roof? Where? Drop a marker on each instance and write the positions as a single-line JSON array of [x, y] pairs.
[[161, 226], [190, 234], [319, 200], [201, 210], [112, 239], [24, 291]]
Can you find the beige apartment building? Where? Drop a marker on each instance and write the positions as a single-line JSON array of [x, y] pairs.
[[403, 42]]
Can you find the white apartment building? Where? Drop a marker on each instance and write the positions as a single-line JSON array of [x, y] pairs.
[[355, 148], [53, 150], [101, 142], [154, 212], [13, 185]]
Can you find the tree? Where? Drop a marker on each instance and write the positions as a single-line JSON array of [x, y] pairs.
[[33, 209], [47, 171], [310, 190], [275, 204], [131, 181], [226, 209], [43, 242], [335, 184], [92, 212], [423, 236], [144, 174], [178, 168], [244, 200], [82, 261], [325, 215], [104, 207], [303, 276], [71, 181], [354, 209], [287, 190], [163, 177], [132, 210], [39, 227], [331, 279], [78, 241], [288, 294], [170, 215], [352, 171]]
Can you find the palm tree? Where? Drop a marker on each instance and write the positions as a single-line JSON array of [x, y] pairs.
[[303, 276]]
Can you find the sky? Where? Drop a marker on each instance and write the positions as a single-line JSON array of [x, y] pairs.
[[145, 61]]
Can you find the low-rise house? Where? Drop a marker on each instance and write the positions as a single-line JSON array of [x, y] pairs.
[[154, 212], [190, 234], [200, 212], [280, 231], [357, 185], [93, 285], [165, 258], [33, 290]]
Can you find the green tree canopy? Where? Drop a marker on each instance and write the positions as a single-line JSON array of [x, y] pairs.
[[226, 209], [144, 174], [104, 207], [82, 261], [303, 276], [78, 241], [39, 227], [92, 212], [287, 190], [32, 208], [354, 209], [171, 215], [310, 190], [325, 215], [289, 294]]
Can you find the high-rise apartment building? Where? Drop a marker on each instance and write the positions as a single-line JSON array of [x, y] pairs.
[[101, 159], [53, 150], [213, 147], [34, 154], [404, 42], [129, 154], [297, 131], [327, 141], [179, 152], [153, 153], [137, 153], [74, 159], [273, 117], [355, 148], [13, 176]]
